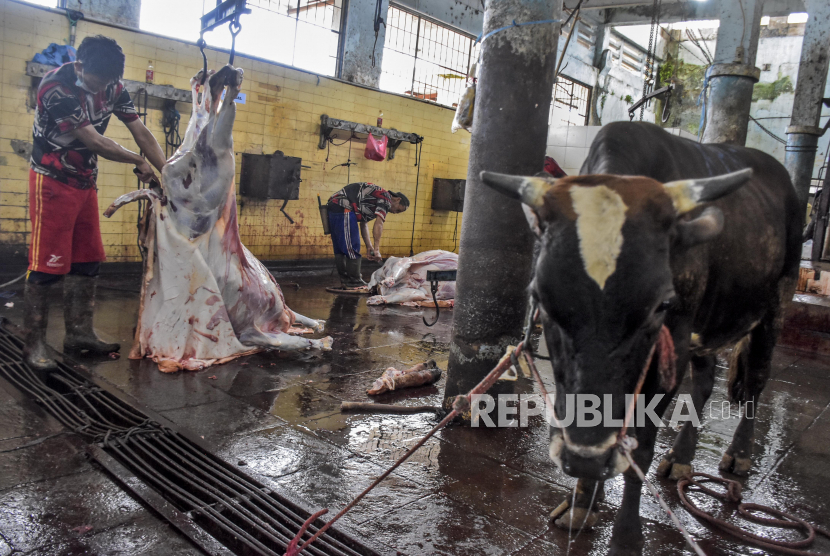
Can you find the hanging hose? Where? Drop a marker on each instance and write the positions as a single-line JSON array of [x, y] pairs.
[[13, 281], [377, 23], [418, 154], [170, 118]]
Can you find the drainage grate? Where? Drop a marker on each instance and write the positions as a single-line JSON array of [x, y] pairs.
[[242, 514]]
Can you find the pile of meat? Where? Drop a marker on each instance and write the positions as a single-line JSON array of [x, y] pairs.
[[205, 298], [403, 280]]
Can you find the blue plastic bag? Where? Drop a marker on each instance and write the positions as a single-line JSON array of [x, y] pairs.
[[55, 55]]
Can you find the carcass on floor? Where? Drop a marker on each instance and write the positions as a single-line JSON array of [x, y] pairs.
[[404, 280], [205, 298]]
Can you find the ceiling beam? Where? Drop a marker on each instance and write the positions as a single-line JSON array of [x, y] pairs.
[[673, 12]]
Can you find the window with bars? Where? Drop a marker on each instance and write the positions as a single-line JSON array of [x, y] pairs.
[[301, 33], [571, 100], [424, 59]]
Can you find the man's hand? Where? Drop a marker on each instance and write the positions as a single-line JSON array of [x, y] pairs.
[[375, 255], [144, 171]]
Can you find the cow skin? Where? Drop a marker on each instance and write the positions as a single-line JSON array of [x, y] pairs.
[[205, 299]]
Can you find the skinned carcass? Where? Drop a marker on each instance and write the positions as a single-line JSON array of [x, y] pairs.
[[404, 279], [205, 298]]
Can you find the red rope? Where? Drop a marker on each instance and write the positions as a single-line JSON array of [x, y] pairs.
[[460, 405], [733, 494], [667, 362]]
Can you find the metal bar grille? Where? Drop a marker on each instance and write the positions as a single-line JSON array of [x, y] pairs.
[[425, 59], [238, 511], [301, 33], [570, 103]]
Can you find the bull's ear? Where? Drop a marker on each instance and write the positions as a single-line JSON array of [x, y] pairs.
[[704, 228], [529, 190], [687, 194]]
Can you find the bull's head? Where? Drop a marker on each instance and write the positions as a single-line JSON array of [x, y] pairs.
[[604, 283]]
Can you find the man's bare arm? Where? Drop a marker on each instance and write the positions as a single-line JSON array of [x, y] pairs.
[[147, 143], [367, 241], [109, 149], [377, 230]]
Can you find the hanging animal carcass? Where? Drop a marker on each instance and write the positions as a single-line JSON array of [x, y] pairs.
[[205, 298]]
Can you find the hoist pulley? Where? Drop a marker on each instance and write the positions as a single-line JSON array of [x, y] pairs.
[[228, 11]]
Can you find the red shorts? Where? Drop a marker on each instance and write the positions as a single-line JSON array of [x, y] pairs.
[[65, 226]]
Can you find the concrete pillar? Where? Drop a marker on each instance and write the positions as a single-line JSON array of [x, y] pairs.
[[603, 62], [122, 12], [359, 41], [803, 133], [509, 132], [733, 73]]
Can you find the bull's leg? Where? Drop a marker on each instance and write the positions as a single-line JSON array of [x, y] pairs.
[[749, 371], [678, 462], [627, 535], [316, 325], [286, 342], [583, 514]]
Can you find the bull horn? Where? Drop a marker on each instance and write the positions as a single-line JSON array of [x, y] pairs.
[[529, 190], [687, 194]]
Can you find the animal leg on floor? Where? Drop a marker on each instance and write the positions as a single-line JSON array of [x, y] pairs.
[[584, 514], [677, 463], [748, 374]]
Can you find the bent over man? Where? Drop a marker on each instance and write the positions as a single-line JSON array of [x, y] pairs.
[[356, 204], [74, 106]]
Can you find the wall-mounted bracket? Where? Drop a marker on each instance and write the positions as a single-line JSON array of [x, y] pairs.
[[156, 91], [330, 126]]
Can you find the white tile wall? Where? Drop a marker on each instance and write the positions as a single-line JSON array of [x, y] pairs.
[[569, 145]]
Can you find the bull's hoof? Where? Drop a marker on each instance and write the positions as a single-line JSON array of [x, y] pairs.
[[560, 509], [735, 465], [664, 468], [576, 518], [325, 343], [672, 470], [321, 325], [680, 470]]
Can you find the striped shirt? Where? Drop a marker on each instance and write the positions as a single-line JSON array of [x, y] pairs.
[[366, 200]]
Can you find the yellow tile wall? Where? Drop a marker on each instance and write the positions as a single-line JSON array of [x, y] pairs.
[[282, 111]]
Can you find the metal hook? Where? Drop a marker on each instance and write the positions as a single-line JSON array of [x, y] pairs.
[[235, 27], [434, 288], [202, 44]]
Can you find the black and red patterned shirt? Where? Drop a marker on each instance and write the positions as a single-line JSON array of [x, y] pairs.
[[366, 200], [62, 107]]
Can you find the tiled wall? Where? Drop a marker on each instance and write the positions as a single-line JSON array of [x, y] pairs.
[[569, 145], [282, 112]]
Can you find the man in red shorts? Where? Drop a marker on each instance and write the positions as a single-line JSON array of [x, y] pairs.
[[74, 106]]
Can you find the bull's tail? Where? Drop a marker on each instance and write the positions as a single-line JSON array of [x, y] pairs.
[[738, 369]]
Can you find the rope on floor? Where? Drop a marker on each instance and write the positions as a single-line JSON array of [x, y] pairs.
[[733, 494]]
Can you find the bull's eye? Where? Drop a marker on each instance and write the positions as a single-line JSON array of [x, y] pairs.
[[665, 305]]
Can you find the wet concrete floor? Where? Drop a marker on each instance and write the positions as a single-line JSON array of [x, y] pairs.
[[466, 491]]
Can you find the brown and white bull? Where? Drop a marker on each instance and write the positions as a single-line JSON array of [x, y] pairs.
[[658, 232]]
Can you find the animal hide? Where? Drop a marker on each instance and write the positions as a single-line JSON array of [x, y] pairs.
[[205, 298]]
